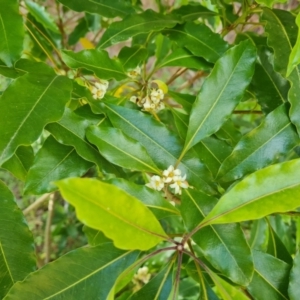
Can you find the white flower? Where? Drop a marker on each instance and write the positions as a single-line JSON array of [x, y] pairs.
[[135, 72], [156, 95], [133, 99], [156, 183], [170, 173], [99, 89], [147, 104], [142, 275], [179, 183]]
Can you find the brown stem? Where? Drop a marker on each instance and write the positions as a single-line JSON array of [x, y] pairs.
[[245, 112], [37, 203], [176, 75], [191, 81]]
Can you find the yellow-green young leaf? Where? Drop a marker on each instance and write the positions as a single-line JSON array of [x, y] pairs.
[[85, 273], [120, 149], [11, 31], [294, 58], [26, 106], [17, 255], [270, 190], [96, 61], [122, 218], [106, 8], [294, 288], [219, 94], [270, 3], [136, 24]]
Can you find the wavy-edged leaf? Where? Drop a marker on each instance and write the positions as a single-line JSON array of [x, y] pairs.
[[261, 146], [120, 149], [105, 207], [96, 61], [270, 87], [85, 273], [42, 16], [53, 161], [26, 106], [158, 288], [270, 279], [20, 162], [106, 8], [183, 58], [11, 31], [219, 95], [131, 57], [70, 130], [136, 24], [17, 255], [151, 198], [162, 145], [199, 39], [224, 246], [193, 12], [294, 288], [273, 189]]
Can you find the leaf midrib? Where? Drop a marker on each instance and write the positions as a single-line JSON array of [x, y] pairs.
[[109, 7], [6, 263]]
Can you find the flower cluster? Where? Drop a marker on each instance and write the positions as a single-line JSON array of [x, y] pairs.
[[135, 73], [141, 277], [99, 89], [171, 177], [152, 102]]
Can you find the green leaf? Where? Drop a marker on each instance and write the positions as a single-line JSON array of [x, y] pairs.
[[131, 57], [95, 237], [270, 279], [270, 3], [81, 29], [294, 288], [105, 207], [270, 87], [88, 273], [11, 31], [20, 162], [17, 255], [185, 100], [294, 58], [53, 161], [193, 12], [273, 189], [120, 149], [26, 106], [229, 133], [259, 235], [162, 145], [106, 8], [70, 130], [136, 24], [199, 39], [282, 35], [151, 198], [183, 58], [261, 146], [159, 287], [41, 15], [96, 61], [10, 72], [224, 246], [219, 95]]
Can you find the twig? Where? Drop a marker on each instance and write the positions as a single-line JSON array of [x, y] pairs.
[[191, 81], [176, 75], [245, 112], [47, 244], [177, 278], [38, 202]]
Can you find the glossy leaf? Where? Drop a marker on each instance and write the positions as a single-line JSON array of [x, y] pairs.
[[261, 146], [199, 39], [20, 162], [224, 246], [26, 106], [88, 273], [246, 202], [41, 15], [160, 207], [130, 58], [219, 95], [136, 24], [229, 133], [269, 86], [193, 12], [96, 61], [183, 58], [120, 149], [185, 100], [270, 279], [294, 58], [17, 255], [95, 237], [294, 288], [159, 287], [259, 235], [106, 8], [11, 32], [161, 144], [282, 35], [53, 161], [105, 207], [70, 130]]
